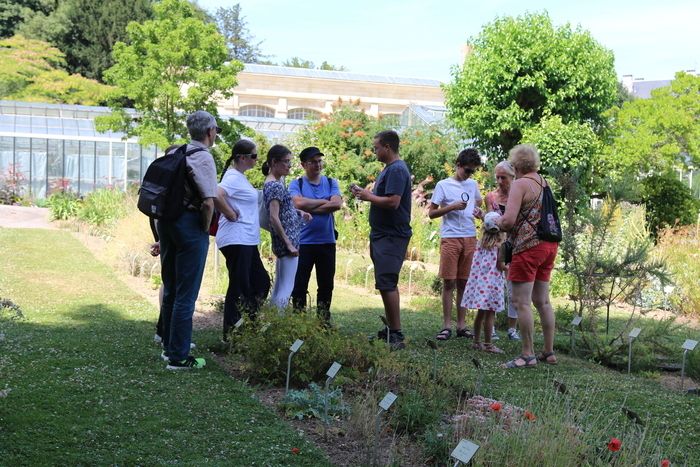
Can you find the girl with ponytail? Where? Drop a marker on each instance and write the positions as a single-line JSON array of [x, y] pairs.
[[238, 236]]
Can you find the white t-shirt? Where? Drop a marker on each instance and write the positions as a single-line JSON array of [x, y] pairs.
[[243, 198], [458, 223]]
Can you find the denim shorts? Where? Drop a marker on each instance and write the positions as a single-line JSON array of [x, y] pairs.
[[387, 254]]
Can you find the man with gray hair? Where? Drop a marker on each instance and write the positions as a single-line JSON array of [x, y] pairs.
[[184, 243]]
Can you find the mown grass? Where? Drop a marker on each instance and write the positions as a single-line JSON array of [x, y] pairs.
[[88, 387]]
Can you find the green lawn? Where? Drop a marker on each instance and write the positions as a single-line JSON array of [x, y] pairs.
[[88, 386]]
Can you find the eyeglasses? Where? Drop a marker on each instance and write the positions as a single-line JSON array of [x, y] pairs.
[[316, 162], [218, 130], [252, 156]]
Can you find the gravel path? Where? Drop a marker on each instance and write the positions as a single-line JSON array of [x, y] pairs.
[[20, 217]]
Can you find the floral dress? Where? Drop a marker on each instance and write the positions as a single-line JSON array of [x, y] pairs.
[[484, 290], [290, 219]]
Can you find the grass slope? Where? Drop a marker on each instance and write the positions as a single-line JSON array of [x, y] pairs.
[[88, 388]]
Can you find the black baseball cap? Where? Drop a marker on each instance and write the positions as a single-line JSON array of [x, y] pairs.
[[308, 153]]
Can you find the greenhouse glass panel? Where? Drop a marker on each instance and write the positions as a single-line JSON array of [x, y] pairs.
[[37, 184], [55, 155], [118, 165], [72, 166], [102, 168], [7, 150], [87, 166], [134, 163], [22, 165]]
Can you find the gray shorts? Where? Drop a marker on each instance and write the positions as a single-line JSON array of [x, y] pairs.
[[387, 254]]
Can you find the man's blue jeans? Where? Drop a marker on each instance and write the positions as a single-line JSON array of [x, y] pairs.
[[183, 253]]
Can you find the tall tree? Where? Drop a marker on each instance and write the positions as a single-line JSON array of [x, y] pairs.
[[31, 71], [86, 31], [15, 12], [521, 69], [240, 42], [659, 134], [172, 65]]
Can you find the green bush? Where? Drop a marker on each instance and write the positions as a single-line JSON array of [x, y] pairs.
[[264, 345], [103, 207], [63, 205], [416, 412], [669, 202], [681, 249]]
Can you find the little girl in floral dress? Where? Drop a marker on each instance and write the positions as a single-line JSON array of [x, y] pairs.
[[484, 290]]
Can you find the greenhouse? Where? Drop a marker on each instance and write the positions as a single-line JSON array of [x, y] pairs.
[[50, 147]]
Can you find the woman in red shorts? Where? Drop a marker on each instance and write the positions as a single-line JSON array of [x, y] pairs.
[[533, 259]]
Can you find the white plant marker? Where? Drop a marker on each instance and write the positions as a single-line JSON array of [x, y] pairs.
[[384, 406], [574, 322], [688, 346], [464, 452], [292, 350]]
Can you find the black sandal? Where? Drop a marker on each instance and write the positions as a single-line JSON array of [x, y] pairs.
[[465, 332], [444, 334], [527, 362]]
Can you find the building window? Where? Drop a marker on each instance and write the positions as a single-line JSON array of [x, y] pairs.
[[303, 114], [256, 111]]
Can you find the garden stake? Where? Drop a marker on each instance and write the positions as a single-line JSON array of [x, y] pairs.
[[688, 345], [633, 334], [574, 322], [384, 405], [386, 327], [347, 269], [479, 375], [369, 268], [332, 371], [292, 350]]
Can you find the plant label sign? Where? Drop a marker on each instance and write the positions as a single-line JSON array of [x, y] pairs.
[[689, 344], [577, 320], [388, 400], [238, 324], [464, 451], [295, 346], [333, 370], [634, 333]]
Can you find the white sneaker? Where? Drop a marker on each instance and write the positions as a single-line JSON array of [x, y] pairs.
[[513, 334], [494, 334], [164, 356], [157, 339], [193, 345]]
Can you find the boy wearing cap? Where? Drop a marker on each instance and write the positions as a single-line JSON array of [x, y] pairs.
[[320, 196]]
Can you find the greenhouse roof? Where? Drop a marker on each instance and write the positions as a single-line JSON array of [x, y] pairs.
[[36, 119], [338, 75]]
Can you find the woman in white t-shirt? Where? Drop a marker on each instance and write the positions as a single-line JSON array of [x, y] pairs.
[[238, 237]]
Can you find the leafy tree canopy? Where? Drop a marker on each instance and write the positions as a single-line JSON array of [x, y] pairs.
[[522, 69], [86, 30], [240, 42], [566, 147], [658, 134], [14, 12], [172, 65], [30, 72]]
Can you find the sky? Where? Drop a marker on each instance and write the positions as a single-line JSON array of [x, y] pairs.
[[423, 39]]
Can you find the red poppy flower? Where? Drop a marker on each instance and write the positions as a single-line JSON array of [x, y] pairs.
[[530, 416], [665, 463], [496, 406], [614, 445], [296, 451]]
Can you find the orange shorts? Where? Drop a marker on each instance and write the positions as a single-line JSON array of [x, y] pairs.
[[456, 257], [533, 264]]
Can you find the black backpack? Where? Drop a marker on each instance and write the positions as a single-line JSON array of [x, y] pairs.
[[162, 191], [549, 228]]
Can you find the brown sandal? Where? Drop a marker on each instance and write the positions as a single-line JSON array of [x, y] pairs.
[[544, 357], [528, 362], [490, 348]]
